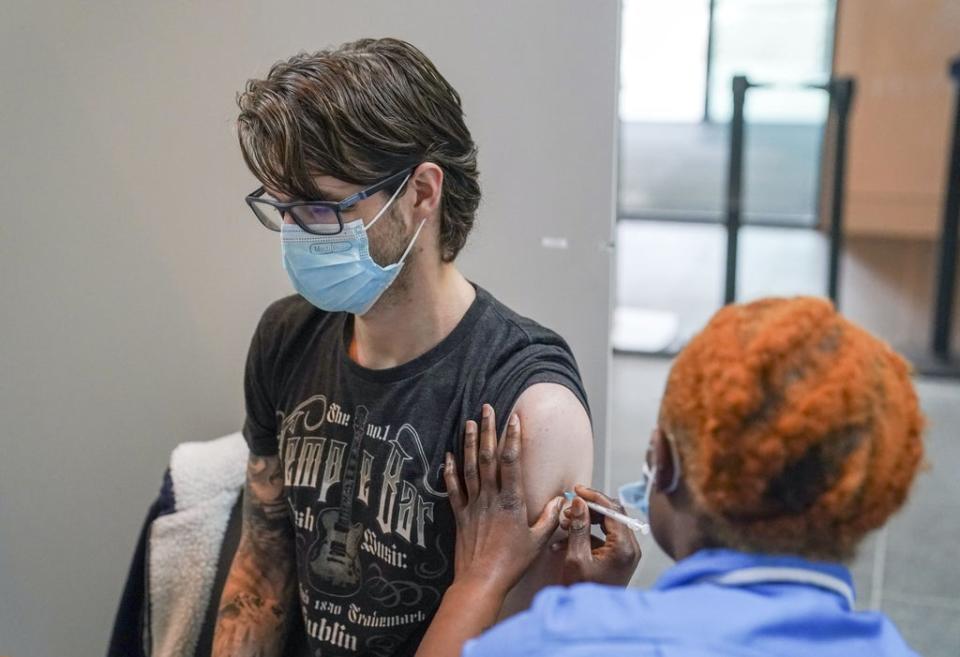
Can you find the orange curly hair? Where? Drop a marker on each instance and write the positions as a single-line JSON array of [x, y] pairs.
[[798, 431]]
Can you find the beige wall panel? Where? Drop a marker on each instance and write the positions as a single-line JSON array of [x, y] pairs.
[[898, 51]]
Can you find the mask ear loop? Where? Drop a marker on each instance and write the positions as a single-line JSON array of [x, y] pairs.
[[412, 241], [376, 218], [675, 455]]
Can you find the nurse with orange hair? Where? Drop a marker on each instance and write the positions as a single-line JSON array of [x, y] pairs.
[[786, 434]]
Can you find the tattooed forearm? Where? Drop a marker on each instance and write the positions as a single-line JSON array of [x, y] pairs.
[[266, 515], [259, 594]]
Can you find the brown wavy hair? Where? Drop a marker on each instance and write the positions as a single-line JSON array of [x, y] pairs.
[[798, 431], [359, 113]]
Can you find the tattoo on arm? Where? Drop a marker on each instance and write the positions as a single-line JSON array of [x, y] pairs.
[[265, 510], [259, 594]]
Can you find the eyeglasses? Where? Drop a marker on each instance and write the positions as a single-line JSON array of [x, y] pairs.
[[316, 217]]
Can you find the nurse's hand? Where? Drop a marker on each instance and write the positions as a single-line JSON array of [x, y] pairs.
[[495, 543], [611, 562]]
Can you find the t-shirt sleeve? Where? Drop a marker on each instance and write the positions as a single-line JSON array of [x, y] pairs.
[[535, 363], [260, 425], [548, 361]]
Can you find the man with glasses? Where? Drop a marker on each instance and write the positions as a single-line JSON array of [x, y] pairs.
[[358, 386]]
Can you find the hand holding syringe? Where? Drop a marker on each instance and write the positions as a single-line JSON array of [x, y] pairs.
[[632, 523], [610, 559]]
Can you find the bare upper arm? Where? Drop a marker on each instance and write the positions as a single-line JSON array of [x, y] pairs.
[[265, 480], [557, 443], [557, 453], [265, 507]]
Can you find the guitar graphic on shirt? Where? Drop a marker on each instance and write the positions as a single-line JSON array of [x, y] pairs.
[[338, 563]]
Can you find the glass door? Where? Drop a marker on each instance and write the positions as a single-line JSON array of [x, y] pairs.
[[677, 62]]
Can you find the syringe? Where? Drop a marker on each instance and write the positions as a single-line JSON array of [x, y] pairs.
[[632, 523]]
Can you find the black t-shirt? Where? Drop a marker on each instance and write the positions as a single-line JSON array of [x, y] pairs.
[[363, 453]]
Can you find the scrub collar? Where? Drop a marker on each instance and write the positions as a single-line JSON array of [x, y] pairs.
[[732, 568]]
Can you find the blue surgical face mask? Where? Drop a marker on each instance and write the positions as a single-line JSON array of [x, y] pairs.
[[637, 494], [335, 272]]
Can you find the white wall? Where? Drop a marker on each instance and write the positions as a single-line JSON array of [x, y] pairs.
[[131, 275]]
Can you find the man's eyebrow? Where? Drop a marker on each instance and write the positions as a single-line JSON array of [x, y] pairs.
[[326, 195], [319, 195]]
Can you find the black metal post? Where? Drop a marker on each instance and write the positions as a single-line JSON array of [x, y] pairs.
[[947, 271], [711, 27], [841, 92], [735, 185]]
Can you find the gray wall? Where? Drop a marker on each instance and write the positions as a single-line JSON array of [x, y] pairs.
[[131, 275]]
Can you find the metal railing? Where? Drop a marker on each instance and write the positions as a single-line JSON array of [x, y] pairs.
[[947, 270], [841, 93]]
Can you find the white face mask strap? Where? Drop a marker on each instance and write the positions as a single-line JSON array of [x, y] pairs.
[[415, 236], [675, 455], [388, 203]]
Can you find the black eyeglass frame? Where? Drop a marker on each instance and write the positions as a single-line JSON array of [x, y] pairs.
[[256, 197]]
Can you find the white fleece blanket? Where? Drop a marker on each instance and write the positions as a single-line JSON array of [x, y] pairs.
[[185, 545]]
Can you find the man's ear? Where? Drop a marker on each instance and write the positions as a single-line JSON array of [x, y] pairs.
[[665, 459], [427, 184]]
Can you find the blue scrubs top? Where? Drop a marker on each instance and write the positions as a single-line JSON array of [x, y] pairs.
[[715, 602]]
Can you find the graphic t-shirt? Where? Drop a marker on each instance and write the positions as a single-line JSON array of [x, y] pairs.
[[363, 450]]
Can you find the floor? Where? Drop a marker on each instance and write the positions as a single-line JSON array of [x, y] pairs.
[[676, 270]]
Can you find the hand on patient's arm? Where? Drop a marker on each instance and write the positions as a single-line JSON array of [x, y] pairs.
[[558, 453], [495, 541], [259, 593]]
